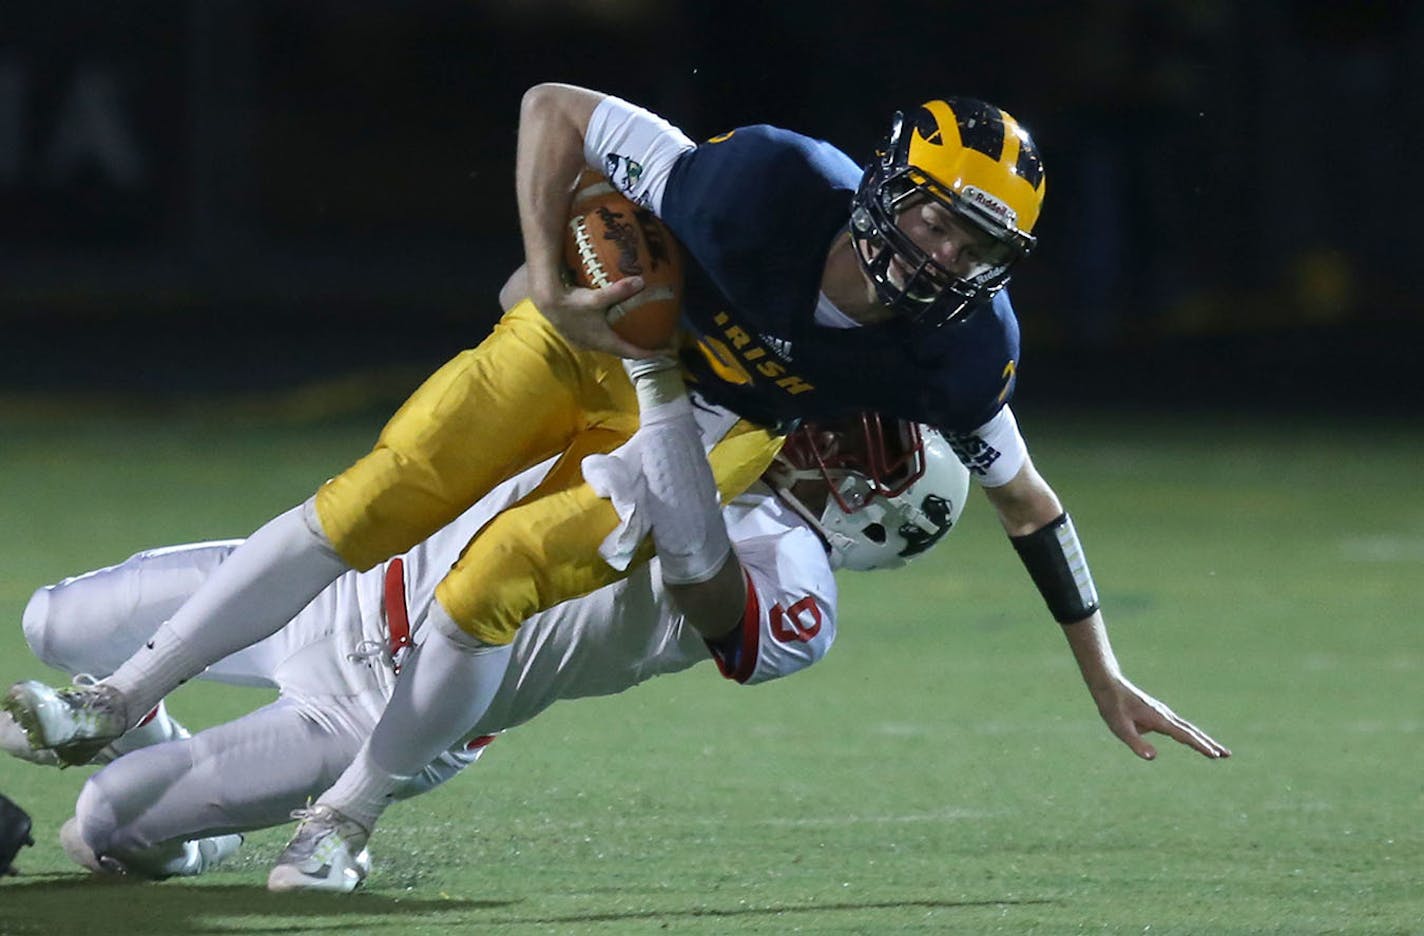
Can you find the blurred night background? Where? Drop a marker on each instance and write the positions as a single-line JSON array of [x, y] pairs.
[[221, 196]]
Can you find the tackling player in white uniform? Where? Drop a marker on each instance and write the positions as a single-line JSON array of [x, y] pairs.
[[763, 607], [176, 808]]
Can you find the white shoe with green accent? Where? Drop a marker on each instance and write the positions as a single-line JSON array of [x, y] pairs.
[[75, 722], [326, 853], [15, 742]]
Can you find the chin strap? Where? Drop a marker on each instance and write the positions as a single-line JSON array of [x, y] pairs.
[[837, 544]]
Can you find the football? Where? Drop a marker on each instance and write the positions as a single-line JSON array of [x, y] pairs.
[[610, 238]]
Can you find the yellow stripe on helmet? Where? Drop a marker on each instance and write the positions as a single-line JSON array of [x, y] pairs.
[[989, 180]]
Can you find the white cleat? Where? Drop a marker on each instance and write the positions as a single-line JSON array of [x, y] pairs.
[[157, 728], [16, 743], [183, 859], [213, 851], [326, 853], [76, 722]]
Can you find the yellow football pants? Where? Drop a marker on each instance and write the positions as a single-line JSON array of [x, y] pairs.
[[523, 395]]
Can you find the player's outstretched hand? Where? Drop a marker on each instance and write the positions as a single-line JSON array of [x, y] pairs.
[[579, 315], [1130, 713]]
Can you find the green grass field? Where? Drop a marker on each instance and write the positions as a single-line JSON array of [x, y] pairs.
[[942, 771]]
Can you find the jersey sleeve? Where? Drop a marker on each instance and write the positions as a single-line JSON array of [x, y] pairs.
[[975, 367], [994, 452], [635, 148], [790, 617]]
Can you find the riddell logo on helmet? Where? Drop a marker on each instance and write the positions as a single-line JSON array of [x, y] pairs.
[[990, 205]]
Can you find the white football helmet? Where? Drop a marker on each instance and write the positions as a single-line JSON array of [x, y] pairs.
[[890, 495]]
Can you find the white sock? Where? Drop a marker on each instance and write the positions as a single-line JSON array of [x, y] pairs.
[[446, 687], [161, 665], [364, 789], [261, 586]]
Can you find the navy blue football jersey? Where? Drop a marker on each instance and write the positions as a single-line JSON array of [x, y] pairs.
[[756, 211]]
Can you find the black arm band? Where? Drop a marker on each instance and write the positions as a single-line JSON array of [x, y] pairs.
[[1054, 559]]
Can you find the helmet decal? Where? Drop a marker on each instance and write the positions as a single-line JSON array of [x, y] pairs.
[[988, 203], [1029, 165], [939, 512], [979, 127]]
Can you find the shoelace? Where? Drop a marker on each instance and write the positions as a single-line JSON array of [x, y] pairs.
[[368, 650], [309, 811], [304, 843], [95, 698]]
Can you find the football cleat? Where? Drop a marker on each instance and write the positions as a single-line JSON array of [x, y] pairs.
[[155, 729], [326, 853], [214, 850], [193, 857], [76, 722], [16, 743]]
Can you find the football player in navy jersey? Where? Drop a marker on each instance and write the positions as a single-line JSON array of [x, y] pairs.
[[814, 288]]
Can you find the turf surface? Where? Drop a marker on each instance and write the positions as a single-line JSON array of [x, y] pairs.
[[942, 771]]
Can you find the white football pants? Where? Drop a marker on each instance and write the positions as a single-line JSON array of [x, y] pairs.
[[248, 773]]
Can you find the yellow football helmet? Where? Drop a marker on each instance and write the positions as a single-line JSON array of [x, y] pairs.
[[976, 161]]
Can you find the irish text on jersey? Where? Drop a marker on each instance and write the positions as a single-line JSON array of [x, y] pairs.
[[735, 356]]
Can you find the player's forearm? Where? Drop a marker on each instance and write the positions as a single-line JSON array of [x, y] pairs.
[[1043, 535], [699, 566], [1092, 651], [714, 608], [1026, 503], [553, 119]]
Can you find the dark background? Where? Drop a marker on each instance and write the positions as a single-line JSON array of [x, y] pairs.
[[231, 195]]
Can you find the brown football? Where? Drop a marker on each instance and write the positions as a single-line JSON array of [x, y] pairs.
[[610, 238]]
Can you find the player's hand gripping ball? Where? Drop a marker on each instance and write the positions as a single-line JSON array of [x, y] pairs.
[[610, 238]]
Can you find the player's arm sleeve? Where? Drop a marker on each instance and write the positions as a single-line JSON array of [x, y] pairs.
[[789, 621], [635, 148], [994, 452]]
